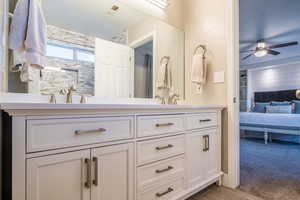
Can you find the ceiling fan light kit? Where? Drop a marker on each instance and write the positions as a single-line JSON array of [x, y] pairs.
[[261, 53], [262, 49]]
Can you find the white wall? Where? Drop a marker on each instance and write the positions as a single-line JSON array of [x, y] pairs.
[[1, 44], [206, 22], [274, 78]]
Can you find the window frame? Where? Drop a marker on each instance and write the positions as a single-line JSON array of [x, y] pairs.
[[75, 52]]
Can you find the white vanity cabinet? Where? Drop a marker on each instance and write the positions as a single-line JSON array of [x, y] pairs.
[[203, 156], [98, 173], [61, 176], [137, 153], [113, 172]]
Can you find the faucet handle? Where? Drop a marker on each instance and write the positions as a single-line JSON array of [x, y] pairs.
[[72, 88], [52, 99], [63, 91], [83, 99]]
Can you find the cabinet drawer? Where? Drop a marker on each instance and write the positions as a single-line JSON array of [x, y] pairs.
[[156, 125], [149, 174], [163, 192], [58, 133], [154, 150], [202, 120]]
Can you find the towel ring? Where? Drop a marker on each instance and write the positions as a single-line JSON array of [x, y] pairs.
[[165, 58], [203, 47]]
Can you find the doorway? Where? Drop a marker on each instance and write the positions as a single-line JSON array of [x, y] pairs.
[[144, 65], [143, 70], [268, 118]]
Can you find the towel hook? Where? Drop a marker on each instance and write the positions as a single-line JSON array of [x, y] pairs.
[[165, 58], [203, 47]]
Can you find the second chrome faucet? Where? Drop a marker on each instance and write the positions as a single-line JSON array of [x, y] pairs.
[[70, 94], [69, 99]]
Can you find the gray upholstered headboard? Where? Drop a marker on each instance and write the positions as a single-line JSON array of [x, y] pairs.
[[282, 95]]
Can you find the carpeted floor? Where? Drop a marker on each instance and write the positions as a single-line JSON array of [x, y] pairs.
[[270, 171]]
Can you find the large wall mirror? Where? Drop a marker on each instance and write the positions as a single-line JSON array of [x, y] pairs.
[[103, 48]]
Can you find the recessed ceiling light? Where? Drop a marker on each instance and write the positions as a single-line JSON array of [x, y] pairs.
[[159, 3]]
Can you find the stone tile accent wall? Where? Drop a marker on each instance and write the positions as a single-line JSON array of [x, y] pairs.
[[78, 73]]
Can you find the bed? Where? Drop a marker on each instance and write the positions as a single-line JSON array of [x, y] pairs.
[[267, 123]]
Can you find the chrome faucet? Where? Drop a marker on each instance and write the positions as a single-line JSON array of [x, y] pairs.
[[70, 94]]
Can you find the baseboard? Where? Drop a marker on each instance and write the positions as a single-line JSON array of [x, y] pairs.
[[191, 191], [226, 181]]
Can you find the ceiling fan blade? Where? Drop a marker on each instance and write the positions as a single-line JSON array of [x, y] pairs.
[[272, 52], [247, 51], [283, 45], [247, 57]]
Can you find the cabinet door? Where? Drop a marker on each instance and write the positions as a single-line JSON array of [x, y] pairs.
[[202, 156], [59, 177], [212, 157], [195, 158], [113, 173]]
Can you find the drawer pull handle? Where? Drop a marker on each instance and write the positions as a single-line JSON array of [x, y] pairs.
[[206, 143], [204, 120], [95, 181], [158, 171], [99, 130], [164, 193], [87, 184], [164, 125], [164, 147]]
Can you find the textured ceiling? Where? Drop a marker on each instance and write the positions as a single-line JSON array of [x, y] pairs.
[[276, 21], [91, 17]]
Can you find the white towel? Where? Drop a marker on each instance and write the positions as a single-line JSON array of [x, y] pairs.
[[199, 70], [165, 75], [28, 74], [28, 32]]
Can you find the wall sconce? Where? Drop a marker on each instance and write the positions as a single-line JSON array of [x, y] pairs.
[[298, 94]]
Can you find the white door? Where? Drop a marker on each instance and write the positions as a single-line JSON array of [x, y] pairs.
[[202, 156], [113, 69], [59, 177], [113, 173]]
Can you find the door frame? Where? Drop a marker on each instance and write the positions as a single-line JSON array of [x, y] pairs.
[[4, 41], [232, 177], [152, 36]]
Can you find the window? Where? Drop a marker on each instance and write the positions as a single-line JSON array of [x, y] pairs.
[[60, 52], [70, 53]]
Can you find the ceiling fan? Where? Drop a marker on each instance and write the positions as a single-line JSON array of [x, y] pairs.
[[262, 49]]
